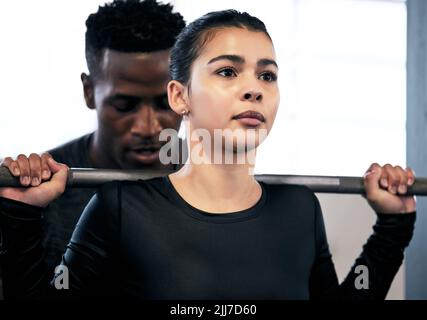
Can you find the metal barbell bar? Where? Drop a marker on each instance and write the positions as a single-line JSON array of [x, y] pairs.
[[92, 178]]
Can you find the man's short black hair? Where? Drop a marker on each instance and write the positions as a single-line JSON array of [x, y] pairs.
[[130, 26]]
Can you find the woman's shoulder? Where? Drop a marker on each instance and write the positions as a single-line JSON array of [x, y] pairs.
[[117, 189], [292, 198], [292, 205], [290, 190], [113, 195]]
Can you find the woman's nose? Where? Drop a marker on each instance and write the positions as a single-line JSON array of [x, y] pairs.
[[252, 96]]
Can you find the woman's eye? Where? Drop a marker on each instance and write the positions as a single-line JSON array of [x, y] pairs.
[[227, 72], [268, 76]]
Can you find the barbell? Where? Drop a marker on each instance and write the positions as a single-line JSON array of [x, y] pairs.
[[92, 178]]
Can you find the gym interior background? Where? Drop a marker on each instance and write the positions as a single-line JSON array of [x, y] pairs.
[[352, 73]]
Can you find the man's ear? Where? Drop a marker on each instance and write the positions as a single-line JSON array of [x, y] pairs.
[[88, 90], [178, 97]]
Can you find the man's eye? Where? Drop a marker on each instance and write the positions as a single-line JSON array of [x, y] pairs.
[[124, 106], [227, 72], [268, 76], [162, 103]]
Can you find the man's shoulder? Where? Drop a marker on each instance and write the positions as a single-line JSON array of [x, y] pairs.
[[73, 153]]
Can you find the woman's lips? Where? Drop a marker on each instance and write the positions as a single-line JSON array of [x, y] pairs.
[[250, 118], [252, 122]]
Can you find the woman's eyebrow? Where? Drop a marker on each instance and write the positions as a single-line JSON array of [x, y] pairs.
[[230, 57], [267, 62], [240, 60]]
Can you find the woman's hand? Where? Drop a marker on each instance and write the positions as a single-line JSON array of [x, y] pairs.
[[34, 172], [386, 189]]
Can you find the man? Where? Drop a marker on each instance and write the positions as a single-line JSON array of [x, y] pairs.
[[127, 52]]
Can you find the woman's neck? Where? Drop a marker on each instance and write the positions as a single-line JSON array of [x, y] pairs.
[[217, 188]]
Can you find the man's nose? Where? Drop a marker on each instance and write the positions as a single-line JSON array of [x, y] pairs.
[[146, 122]]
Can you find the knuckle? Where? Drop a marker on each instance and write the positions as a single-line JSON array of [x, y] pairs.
[[24, 166], [35, 167], [6, 162], [35, 158], [393, 173], [375, 166], [388, 168], [45, 156]]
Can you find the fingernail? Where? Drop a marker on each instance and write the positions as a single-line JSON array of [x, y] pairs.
[[384, 182], [410, 182], [16, 171], [25, 180], [402, 189], [393, 189], [45, 173], [35, 180]]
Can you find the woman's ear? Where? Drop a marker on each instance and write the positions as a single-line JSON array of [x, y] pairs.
[[177, 97], [88, 90]]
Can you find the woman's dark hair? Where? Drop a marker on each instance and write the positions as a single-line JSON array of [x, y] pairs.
[[193, 37]]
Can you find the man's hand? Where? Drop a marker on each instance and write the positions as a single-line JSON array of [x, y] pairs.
[[386, 189], [34, 172]]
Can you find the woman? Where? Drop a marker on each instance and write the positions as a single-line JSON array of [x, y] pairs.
[[210, 230]]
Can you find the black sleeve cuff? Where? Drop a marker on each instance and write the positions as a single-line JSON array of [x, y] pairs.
[[16, 210], [395, 230], [397, 219]]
